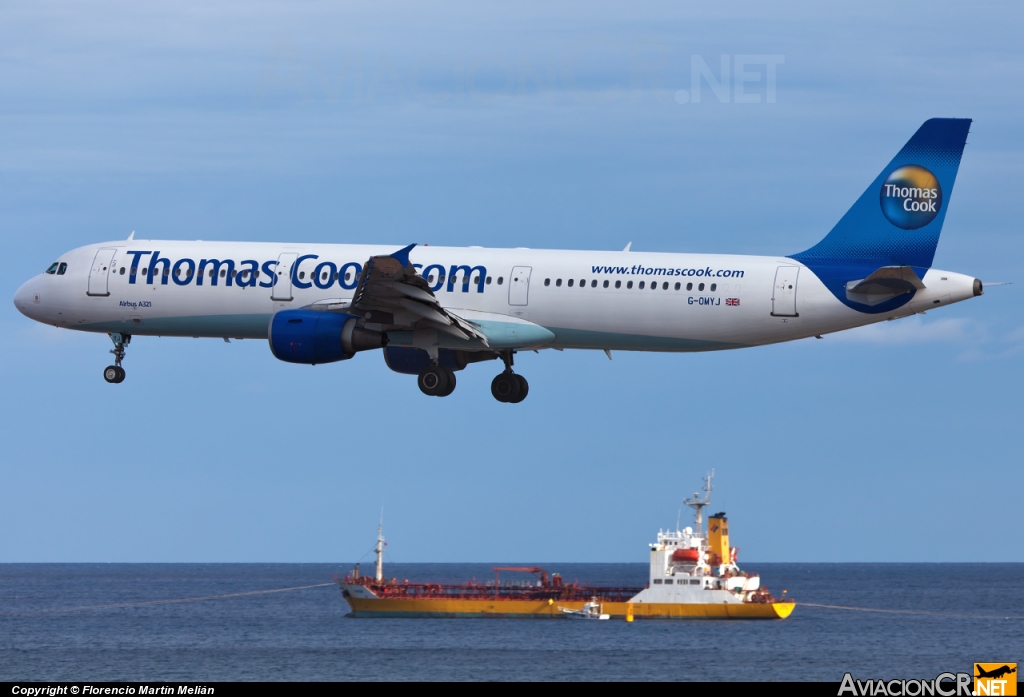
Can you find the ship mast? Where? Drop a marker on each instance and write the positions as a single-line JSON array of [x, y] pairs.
[[379, 549], [698, 505]]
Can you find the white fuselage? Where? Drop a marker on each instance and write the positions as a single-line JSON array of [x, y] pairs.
[[585, 299]]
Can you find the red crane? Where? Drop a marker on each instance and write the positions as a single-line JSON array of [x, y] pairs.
[[535, 570]]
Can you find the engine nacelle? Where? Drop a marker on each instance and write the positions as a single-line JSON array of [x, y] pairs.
[[413, 361], [311, 337]]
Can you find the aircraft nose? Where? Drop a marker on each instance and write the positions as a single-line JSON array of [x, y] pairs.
[[27, 297]]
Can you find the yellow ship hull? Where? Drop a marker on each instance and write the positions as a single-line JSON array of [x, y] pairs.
[[393, 607]]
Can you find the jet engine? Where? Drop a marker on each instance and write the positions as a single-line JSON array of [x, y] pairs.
[[311, 337]]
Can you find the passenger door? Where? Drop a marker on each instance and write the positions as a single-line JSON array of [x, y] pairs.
[[100, 272], [282, 289], [519, 286], [784, 294]]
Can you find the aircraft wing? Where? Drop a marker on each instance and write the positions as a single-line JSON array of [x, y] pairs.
[[390, 285]]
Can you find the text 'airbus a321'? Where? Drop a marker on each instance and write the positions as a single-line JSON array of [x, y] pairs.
[[434, 310]]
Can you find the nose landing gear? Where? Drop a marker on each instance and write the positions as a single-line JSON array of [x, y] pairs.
[[509, 387], [115, 373]]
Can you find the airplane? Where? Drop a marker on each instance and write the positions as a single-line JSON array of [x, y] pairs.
[[433, 311]]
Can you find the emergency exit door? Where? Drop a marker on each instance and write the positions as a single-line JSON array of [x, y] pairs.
[[519, 285], [282, 289], [784, 295]]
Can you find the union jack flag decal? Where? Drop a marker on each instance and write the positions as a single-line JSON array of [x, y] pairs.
[[732, 301]]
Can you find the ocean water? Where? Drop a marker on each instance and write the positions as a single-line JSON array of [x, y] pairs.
[[305, 634]]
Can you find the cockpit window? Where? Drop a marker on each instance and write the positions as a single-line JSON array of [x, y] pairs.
[[53, 268], [62, 268]]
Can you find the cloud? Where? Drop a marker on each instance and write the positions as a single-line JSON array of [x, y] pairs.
[[915, 330]]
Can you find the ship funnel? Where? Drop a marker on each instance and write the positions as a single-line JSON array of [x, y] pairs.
[[718, 539]]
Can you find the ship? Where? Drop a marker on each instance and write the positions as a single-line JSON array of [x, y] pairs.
[[693, 575]]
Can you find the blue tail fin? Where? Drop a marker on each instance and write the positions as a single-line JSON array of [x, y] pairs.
[[897, 220]]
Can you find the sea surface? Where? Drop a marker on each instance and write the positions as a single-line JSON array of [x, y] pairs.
[[60, 622]]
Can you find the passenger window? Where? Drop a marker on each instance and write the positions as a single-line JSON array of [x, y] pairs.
[[211, 272], [629, 284], [664, 286], [571, 281], [500, 279], [583, 282], [134, 270], [677, 285], [714, 287], [593, 284], [122, 271], [348, 277], [223, 273], [61, 269], [53, 268], [700, 287], [689, 286], [641, 285], [618, 284], [547, 281], [302, 274], [606, 284], [558, 283], [430, 278], [488, 280], [145, 269], [335, 276]]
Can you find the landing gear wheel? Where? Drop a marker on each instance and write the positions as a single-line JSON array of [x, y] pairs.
[[434, 381], [113, 374], [451, 383], [506, 387], [120, 374], [524, 389]]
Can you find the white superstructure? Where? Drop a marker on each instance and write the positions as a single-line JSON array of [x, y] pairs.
[[686, 568]]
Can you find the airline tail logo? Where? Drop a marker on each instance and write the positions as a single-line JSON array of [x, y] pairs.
[[911, 197], [995, 679]]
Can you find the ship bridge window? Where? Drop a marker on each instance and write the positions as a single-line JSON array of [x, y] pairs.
[[62, 269], [657, 580], [668, 581], [694, 581], [53, 268]]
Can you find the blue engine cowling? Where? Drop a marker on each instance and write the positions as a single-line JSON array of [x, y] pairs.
[[311, 337], [413, 361]]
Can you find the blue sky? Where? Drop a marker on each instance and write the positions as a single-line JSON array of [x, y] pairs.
[[568, 125]]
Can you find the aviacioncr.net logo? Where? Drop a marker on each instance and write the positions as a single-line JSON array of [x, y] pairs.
[[911, 197]]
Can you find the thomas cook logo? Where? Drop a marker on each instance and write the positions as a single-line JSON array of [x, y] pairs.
[[995, 679], [911, 197]]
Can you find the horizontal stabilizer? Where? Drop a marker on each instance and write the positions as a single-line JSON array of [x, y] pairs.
[[884, 284]]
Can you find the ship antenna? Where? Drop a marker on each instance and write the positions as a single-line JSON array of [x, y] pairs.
[[698, 505], [379, 548]]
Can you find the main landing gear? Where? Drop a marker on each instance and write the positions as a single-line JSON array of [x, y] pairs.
[[115, 373], [436, 381], [509, 387]]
